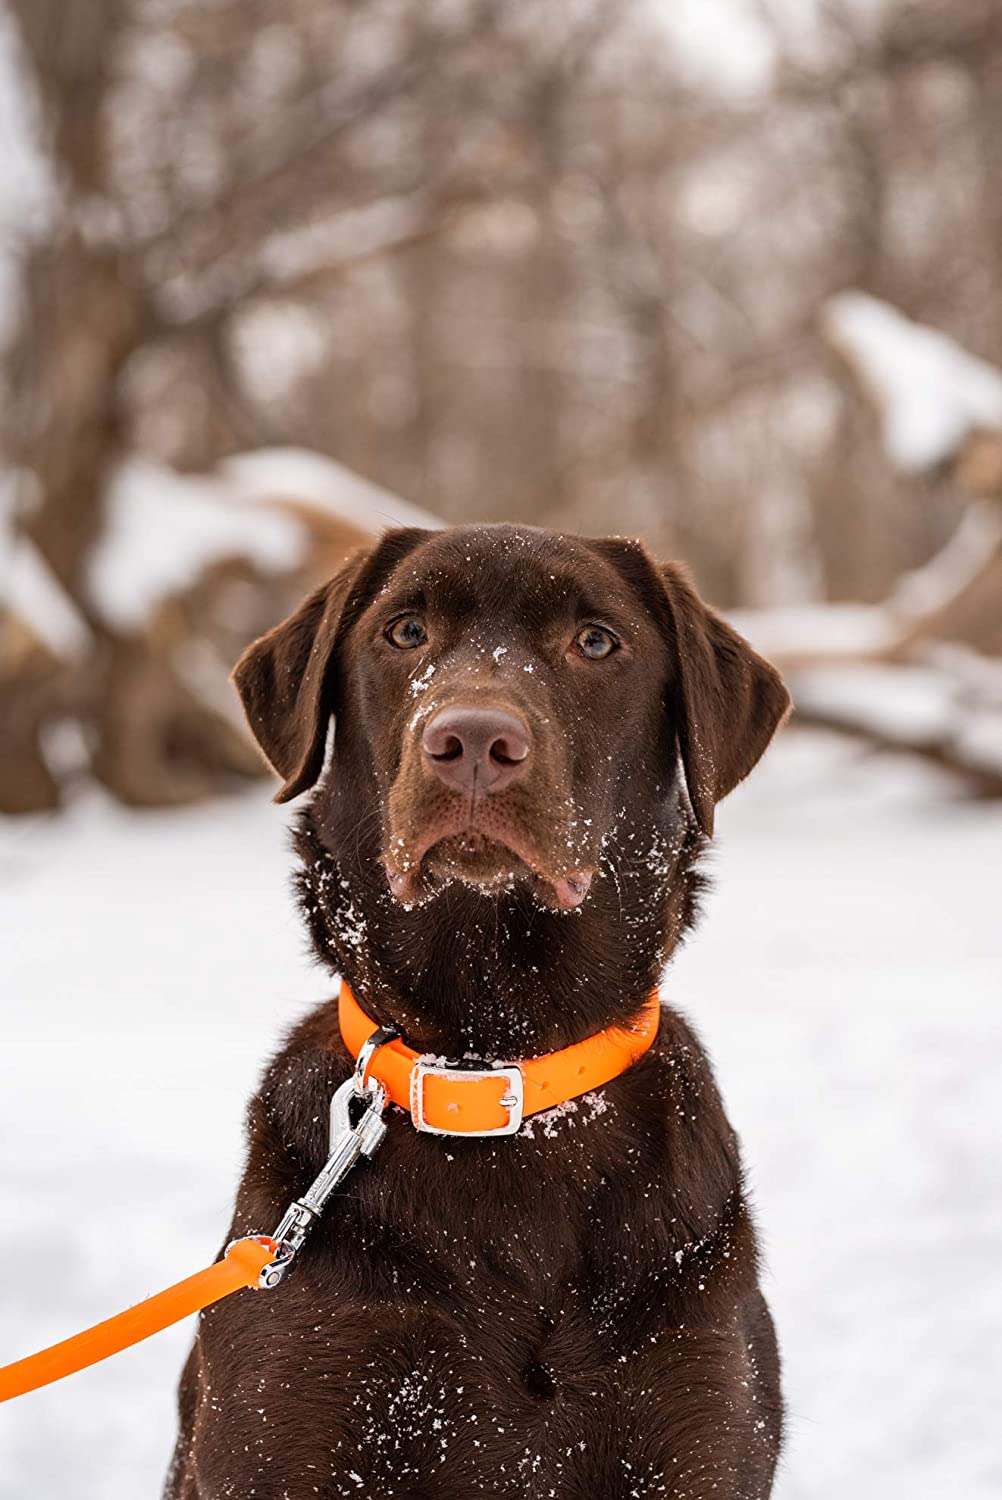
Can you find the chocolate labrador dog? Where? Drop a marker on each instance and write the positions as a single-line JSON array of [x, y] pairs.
[[530, 734]]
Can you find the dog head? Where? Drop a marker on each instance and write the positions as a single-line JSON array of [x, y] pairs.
[[499, 694]]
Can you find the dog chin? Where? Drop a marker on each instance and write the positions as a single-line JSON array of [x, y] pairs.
[[484, 864]]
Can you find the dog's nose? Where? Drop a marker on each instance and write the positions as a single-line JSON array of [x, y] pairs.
[[473, 748]]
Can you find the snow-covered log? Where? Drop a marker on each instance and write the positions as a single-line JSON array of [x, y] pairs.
[[931, 394], [921, 672], [941, 410], [184, 570], [849, 673], [944, 716]]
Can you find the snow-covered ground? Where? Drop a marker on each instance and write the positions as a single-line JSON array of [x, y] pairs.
[[847, 978]]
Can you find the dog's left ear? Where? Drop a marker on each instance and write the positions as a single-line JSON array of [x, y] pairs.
[[725, 700], [286, 679], [728, 700]]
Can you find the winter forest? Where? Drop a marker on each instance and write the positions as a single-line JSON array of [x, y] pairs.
[[597, 266], [725, 275]]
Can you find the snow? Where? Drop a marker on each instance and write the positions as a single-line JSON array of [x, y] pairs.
[[734, 48], [955, 566], [846, 979], [162, 529], [30, 590], [930, 704], [947, 694], [820, 629], [726, 47], [422, 683], [930, 391], [281, 473], [913, 703]]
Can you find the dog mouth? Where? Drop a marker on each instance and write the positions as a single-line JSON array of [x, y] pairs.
[[491, 863]]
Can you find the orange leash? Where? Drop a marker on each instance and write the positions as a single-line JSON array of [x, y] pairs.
[[241, 1266], [256, 1260], [444, 1098]]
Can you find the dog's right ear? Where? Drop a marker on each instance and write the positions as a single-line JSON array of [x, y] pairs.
[[286, 678]]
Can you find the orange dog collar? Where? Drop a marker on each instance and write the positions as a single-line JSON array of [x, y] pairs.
[[451, 1099]]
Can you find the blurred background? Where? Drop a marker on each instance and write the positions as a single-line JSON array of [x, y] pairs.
[[727, 275]]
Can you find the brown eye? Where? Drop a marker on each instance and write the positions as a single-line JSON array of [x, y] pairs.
[[407, 632], [595, 643]]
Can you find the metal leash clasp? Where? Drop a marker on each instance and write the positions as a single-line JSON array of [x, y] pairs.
[[357, 1129]]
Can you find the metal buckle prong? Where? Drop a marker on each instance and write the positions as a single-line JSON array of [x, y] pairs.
[[513, 1099]]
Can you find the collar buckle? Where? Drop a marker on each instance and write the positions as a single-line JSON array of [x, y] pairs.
[[513, 1098]]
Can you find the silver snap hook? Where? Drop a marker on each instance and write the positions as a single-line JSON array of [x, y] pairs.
[[369, 1048]]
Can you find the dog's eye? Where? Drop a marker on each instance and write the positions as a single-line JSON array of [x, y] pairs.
[[407, 632], [595, 643]]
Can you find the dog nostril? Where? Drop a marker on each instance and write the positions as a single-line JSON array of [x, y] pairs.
[[508, 754], [452, 749]]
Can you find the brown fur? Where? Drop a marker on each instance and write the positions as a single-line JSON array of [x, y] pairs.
[[573, 1311]]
